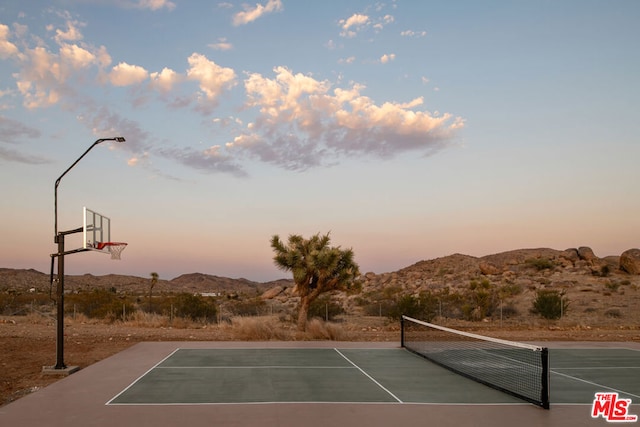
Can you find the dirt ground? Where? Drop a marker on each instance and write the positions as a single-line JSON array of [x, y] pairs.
[[28, 346]]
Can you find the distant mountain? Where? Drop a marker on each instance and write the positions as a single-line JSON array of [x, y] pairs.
[[24, 280]]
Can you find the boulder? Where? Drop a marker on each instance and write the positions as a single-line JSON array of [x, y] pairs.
[[585, 253], [630, 261], [571, 254], [489, 269], [273, 292]]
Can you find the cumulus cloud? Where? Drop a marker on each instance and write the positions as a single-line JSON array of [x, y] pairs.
[[71, 34], [76, 56], [302, 123], [165, 80], [7, 49], [211, 77], [43, 75], [353, 24], [124, 74], [250, 14]]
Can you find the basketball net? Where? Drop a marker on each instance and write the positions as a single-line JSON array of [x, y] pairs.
[[114, 248]]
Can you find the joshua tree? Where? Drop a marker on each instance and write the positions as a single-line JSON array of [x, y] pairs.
[[316, 267], [154, 281]]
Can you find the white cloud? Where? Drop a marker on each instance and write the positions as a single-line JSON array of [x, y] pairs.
[[410, 33], [71, 34], [221, 44], [387, 58], [385, 20], [251, 14], [40, 78], [355, 20], [155, 4], [165, 80], [76, 56], [212, 78], [302, 123], [353, 24], [349, 60], [7, 49], [124, 74]]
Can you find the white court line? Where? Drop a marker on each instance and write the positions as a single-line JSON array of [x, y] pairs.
[[595, 384], [141, 376], [598, 368], [255, 367], [368, 376]]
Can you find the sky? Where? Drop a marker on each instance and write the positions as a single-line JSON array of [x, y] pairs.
[[408, 130]]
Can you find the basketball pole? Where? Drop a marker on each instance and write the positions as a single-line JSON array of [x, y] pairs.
[[59, 240]]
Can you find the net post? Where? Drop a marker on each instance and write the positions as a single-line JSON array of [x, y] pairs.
[[402, 331], [544, 395]]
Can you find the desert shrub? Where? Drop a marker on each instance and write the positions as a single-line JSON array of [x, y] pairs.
[[247, 307], [325, 308], [481, 300], [382, 308], [540, 263], [613, 312], [195, 307], [603, 271], [550, 304], [423, 306], [22, 303], [510, 290], [407, 305], [509, 310], [612, 286], [98, 303]]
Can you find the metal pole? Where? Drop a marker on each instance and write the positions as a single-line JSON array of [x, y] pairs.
[[59, 239], [60, 301]]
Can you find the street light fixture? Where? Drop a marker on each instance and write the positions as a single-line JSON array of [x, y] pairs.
[[59, 239]]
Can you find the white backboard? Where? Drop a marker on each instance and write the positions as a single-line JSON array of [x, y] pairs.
[[96, 231]]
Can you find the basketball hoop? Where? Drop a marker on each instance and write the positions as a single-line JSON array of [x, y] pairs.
[[114, 248]]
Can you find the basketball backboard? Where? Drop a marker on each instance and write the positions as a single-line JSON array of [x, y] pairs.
[[96, 231]]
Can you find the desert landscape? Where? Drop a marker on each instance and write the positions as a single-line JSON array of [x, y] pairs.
[[601, 296]]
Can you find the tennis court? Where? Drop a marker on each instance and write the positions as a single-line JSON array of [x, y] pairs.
[[317, 383]]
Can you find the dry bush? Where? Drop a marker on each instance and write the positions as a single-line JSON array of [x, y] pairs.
[[318, 329], [142, 319], [261, 328]]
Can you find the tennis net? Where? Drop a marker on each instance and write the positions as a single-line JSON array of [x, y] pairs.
[[521, 370]]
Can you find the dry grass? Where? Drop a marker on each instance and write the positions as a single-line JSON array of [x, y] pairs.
[[243, 328], [151, 320], [260, 328], [319, 329]]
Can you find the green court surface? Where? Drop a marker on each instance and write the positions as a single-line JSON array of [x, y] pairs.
[[358, 375], [318, 384]]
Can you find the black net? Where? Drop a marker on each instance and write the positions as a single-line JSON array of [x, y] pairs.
[[521, 370]]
